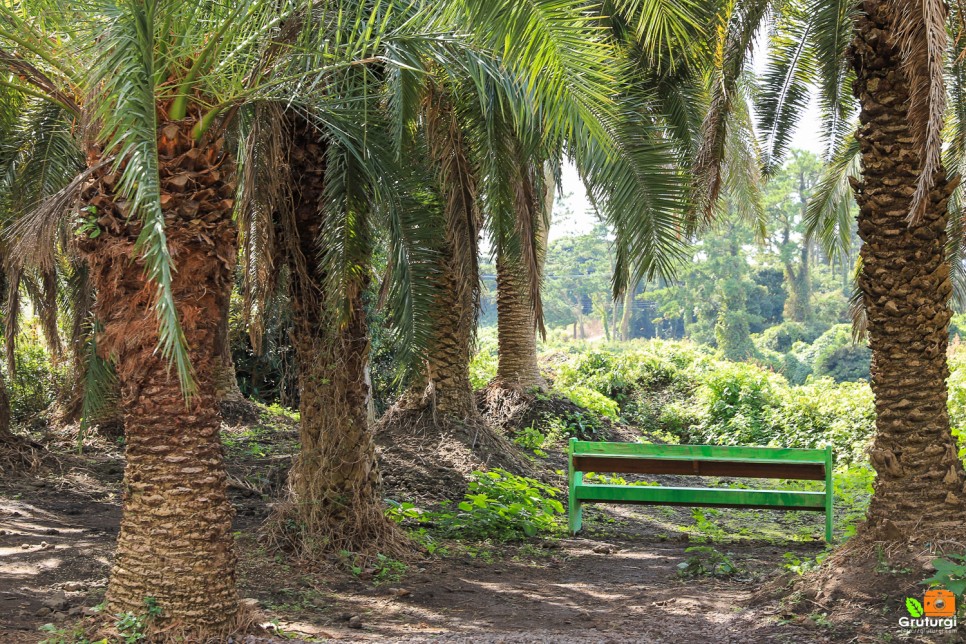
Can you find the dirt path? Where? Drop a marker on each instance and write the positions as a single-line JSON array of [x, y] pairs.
[[619, 582]]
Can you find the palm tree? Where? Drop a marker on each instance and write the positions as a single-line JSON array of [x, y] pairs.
[[519, 314], [894, 52], [315, 200], [156, 229], [618, 145]]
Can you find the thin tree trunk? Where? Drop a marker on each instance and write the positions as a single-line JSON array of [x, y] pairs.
[[625, 330], [448, 369], [516, 316], [905, 283], [175, 544], [8, 440], [335, 486], [516, 332], [226, 384]]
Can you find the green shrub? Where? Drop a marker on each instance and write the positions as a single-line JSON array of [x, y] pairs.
[[734, 397], [485, 361], [782, 337], [620, 372], [794, 370], [592, 401], [822, 413], [834, 355], [37, 382], [582, 426], [502, 506]]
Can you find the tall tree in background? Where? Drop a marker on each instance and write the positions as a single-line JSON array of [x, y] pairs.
[[797, 177]]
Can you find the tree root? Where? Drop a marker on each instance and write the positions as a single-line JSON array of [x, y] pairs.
[[239, 411], [862, 576], [504, 406], [334, 535]]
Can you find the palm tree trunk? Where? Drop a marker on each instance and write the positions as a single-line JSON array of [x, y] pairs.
[[335, 486], [516, 330], [447, 374], [448, 369], [905, 285], [226, 384], [517, 367], [175, 543]]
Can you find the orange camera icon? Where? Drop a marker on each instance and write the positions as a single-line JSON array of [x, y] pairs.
[[939, 603]]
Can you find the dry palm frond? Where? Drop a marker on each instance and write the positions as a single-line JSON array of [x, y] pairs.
[[265, 189], [530, 222], [457, 180], [922, 38], [34, 235]]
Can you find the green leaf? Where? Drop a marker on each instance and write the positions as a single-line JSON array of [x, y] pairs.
[[914, 607]]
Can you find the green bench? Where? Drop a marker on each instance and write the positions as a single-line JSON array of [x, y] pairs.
[[699, 460]]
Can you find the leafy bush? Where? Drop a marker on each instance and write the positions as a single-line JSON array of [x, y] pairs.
[[833, 354], [782, 337], [950, 574], [618, 373], [592, 400], [734, 397], [822, 413], [37, 381], [532, 439], [502, 506], [485, 360], [583, 426]]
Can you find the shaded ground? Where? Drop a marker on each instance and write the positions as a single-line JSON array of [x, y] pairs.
[[617, 582]]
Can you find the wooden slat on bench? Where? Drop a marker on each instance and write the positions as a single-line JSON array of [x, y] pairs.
[[714, 451], [703, 497], [700, 467]]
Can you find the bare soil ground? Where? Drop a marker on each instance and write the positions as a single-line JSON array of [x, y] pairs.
[[617, 582]]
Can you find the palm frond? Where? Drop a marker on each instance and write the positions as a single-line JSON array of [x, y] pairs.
[[922, 37], [127, 74], [738, 24], [784, 88], [829, 216]]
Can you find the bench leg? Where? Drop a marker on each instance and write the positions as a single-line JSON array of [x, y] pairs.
[[829, 493], [575, 507], [576, 518]]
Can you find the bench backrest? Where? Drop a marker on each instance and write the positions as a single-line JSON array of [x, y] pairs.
[[701, 460]]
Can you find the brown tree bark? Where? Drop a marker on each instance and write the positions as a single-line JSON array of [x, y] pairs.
[[516, 330], [517, 366], [335, 486], [445, 383], [175, 544], [450, 392], [905, 283], [226, 384]]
